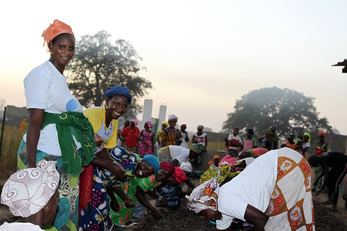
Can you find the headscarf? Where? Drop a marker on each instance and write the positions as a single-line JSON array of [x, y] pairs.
[[153, 161], [172, 117], [165, 123], [308, 135], [55, 29], [179, 175], [149, 124], [228, 160], [201, 127], [167, 166], [118, 90], [216, 157], [27, 191]]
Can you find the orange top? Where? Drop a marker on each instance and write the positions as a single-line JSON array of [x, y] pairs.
[[55, 29]]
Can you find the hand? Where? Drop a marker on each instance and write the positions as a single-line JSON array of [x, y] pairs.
[[98, 140], [118, 171], [114, 205], [128, 203]]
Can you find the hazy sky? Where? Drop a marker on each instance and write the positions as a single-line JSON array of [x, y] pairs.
[[200, 55]]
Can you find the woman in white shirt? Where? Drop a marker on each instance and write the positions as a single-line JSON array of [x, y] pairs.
[[57, 129]]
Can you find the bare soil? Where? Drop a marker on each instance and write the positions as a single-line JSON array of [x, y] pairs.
[[182, 219]]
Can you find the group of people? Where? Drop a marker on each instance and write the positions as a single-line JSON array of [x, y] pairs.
[[258, 189], [74, 175], [95, 184]]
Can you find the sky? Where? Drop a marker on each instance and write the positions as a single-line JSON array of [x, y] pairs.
[[201, 56]]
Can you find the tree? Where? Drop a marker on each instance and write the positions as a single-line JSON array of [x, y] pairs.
[[98, 64], [288, 110]]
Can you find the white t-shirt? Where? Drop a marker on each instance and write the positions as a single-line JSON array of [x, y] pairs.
[[253, 186], [180, 153], [46, 88], [20, 226], [200, 139]]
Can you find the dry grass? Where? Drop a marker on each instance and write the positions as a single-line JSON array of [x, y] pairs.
[[11, 139]]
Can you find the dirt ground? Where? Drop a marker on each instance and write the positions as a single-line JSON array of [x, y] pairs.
[[326, 219]]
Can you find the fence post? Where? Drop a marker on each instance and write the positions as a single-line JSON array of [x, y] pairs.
[[2, 130]]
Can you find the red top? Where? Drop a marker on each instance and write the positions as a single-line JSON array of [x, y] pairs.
[[131, 136]]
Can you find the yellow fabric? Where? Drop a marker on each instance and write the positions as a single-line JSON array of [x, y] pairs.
[[96, 117]]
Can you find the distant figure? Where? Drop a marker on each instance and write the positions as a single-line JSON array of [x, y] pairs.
[[336, 161], [120, 137], [185, 137], [173, 135], [234, 143], [290, 143], [161, 135], [271, 139], [249, 141], [306, 144], [131, 136], [146, 140], [320, 176], [321, 146], [200, 137]]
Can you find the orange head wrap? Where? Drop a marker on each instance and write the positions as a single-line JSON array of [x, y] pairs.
[[55, 29]]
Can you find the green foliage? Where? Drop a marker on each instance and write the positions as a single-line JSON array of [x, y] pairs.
[[99, 64], [288, 110]]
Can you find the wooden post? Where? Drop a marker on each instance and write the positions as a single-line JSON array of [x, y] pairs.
[[2, 130]]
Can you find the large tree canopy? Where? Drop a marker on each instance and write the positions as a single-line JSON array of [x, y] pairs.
[[288, 110], [99, 64]]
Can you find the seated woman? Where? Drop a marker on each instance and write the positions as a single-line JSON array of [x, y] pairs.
[[273, 193], [141, 180], [31, 193]]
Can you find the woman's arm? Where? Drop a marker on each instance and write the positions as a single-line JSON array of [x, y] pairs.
[[33, 135], [140, 195], [256, 217], [103, 160]]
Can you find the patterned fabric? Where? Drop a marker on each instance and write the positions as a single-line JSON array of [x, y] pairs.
[[73, 126], [68, 189], [221, 173], [95, 217], [124, 214], [204, 196], [146, 143], [171, 195], [291, 201], [27, 191], [129, 162], [173, 136]]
